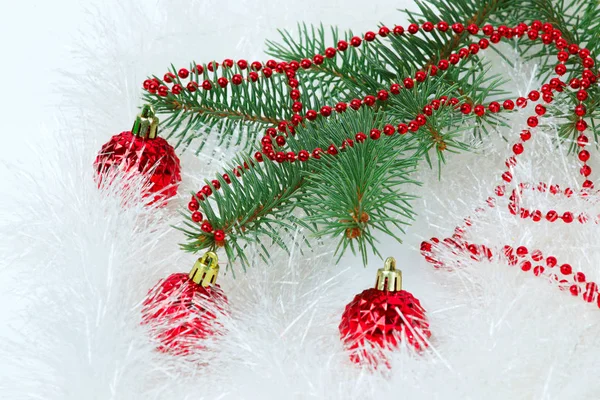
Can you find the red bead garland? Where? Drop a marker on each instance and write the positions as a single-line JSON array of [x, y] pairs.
[[534, 31]]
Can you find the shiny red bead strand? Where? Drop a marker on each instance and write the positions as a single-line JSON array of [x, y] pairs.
[[304, 155]]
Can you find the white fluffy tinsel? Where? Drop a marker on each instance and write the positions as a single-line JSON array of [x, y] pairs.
[[77, 263]]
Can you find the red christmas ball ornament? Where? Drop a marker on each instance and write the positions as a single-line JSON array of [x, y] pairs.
[[181, 310], [381, 317], [142, 151]]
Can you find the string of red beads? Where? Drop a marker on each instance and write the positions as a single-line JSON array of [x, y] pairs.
[[277, 133]]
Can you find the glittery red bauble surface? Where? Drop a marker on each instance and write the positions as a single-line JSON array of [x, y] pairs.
[[378, 319], [180, 313], [154, 157]]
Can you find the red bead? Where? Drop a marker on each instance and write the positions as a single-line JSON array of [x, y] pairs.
[[494, 106], [256, 65], [581, 125], [242, 64], [402, 129], [375, 134], [551, 261], [582, 95], [518, 148], [408, 83], [253, 76], [413, 28], [280, 157], [584, 53], [584, 155], [330, 52], [360, 137], [192, 86], [222, 82], [522, 251], [219, 235], [540, 109], [305, 63], [311, 115], [580, 277], [303, 155], [479, 110], [197, 216], [567, 217], [212, 66], [443, 64], [206, 85], [532, 121], [551, 216], [193, 205], [398, 30], [526, 265], [267, 72], [522, 102], [332, 150], [525, 135], [326, 111], [560, 69], [206, 227], [370, 36], [575, 290], [588, 62], [413, 126], [562, 56], [473, 29], [389, 129], [508, 104], [442, 26], [453, 58], [280, 140], [318, 59], [465, 108], [428, 26], [586, 170], [369, 100], [237, 79], [484, 43], [384, 31], [420, 76], [573, 48], [382, 95], [183, 73], [566, 269], [355, 41], [341, 107], [458, 27]]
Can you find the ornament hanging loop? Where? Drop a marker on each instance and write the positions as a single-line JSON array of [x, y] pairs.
[[146, 123], [205, 270], [388, 277]]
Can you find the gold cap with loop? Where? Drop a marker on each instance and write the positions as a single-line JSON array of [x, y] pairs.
[[388, 278], [205, 270], [146, 123]]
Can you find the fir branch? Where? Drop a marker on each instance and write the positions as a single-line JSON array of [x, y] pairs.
[[238, 112]]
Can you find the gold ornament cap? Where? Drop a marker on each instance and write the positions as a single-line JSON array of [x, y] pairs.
[[146, 123], [388, 277], [205, 270]]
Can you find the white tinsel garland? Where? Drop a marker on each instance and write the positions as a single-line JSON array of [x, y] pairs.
[[76, 265]]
